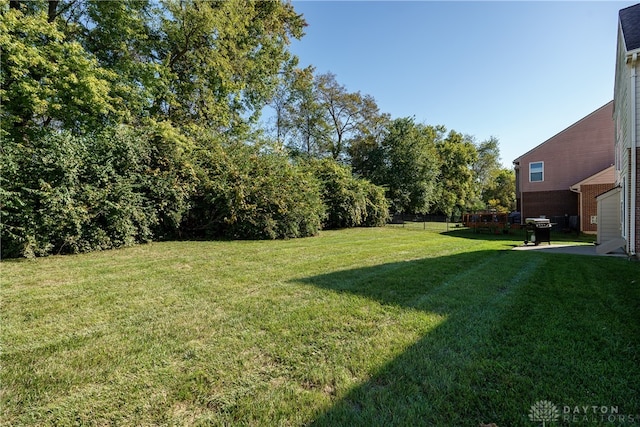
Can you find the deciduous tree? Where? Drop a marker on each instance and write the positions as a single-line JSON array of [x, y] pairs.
[[47, 79], [456, 188], [404, 161], [500, 194], [308, 128], [346, 112]]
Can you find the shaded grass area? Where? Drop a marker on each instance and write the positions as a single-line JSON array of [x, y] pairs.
[[391, 326], [517, 235], [519, 329]]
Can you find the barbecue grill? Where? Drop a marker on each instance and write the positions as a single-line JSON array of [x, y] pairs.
[[537, 230]]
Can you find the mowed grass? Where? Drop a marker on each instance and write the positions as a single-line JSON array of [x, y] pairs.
[[388, 326]]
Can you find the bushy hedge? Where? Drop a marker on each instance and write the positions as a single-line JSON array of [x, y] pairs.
[[63, 193], [246, 194], [66, 194], [350, 202]]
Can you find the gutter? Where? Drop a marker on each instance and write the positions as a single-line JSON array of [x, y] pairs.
[[634, 159], [578, 190]]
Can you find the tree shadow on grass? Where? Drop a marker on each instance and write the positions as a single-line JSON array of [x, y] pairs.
[[469, 233], [475, 367], [515, 235]]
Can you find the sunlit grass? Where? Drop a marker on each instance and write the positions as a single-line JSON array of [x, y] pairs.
[[390, 326]]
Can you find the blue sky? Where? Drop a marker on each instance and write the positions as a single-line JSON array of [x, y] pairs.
[[519, 71]]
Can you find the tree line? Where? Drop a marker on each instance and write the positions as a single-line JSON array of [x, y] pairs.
[[131, 121]]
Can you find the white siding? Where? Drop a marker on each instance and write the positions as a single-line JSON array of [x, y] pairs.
[[609, 216], [637, 100], [622, 109]]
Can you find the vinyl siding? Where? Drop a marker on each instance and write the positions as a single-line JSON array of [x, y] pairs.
[[608, 216], [624, 106], [622, 110], [637, 207], [623, 122]]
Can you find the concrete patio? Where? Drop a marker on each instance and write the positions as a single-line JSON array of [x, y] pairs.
[[564, 248]]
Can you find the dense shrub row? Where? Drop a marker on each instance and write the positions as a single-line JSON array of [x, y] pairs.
[[65, 194], [245, 194], [350, 202], [62, 193]]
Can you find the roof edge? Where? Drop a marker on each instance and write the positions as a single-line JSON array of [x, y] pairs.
[[562, 131], [631, 20], [611, 190], [595, 175]]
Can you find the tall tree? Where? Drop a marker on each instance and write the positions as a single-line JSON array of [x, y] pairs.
[[488, 160], [364, 150], [193, 62], [345, 111], [456, 188], [303, 117], [487, 165], [281, 99], [48, 79], [124, 36], [404, 161], [500, 194], [223, 58]]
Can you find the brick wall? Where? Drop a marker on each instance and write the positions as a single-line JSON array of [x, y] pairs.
[[590, 205], [549, 203]]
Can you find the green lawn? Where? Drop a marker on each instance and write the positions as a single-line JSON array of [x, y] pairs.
[[389, 326]]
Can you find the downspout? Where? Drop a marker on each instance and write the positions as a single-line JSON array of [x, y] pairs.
[[634, 160], [578, 191], [519, 192]]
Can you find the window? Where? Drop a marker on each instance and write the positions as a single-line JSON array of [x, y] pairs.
[[536, 171]]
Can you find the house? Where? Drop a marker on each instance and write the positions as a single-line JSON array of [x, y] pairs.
[[560, 178], [588, 191], [625, 115]]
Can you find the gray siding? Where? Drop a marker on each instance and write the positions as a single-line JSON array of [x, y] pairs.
[[609, 216]]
